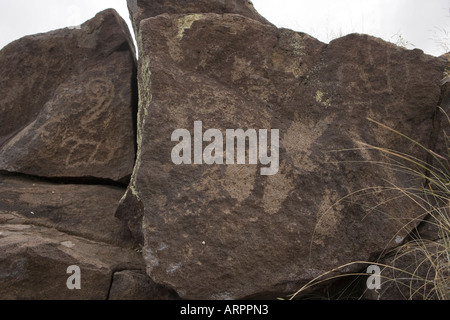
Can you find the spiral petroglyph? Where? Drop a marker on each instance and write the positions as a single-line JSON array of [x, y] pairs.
[[100, 93], [66, 102]]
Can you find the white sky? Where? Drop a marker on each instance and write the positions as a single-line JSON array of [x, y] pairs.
[[423, 24]]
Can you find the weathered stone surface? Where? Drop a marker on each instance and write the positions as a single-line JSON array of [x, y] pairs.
[[136, 285], [130, 211], [438, 160], [143, 9], [441, 127], [81, 210], [34, 263], [67, 102], [226, 231]]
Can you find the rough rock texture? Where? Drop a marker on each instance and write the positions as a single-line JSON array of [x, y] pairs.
[[67, 102], [441, 127], [143, 9], [431, 228], [35, 260], [226, 231], [82, 210], [221, 231]]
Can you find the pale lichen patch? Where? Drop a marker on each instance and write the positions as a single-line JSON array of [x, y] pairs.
[[186, 22], [320, 98]]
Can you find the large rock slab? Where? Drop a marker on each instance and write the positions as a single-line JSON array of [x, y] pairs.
[[35, 260], [67, 102], [226, 231], [81, 210]]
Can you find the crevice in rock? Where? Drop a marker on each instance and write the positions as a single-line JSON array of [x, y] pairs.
[[131, 211], [113, 273], [119, 242], [111, 280], [87, 180], [149, 290], [346, 287], [135, 106]]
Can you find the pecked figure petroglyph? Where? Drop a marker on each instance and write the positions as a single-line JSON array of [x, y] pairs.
[[81, 120], [100, 93], [68, 102]]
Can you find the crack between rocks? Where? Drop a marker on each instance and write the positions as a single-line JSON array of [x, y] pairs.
[[113, 273], [21, 221], [86, 180], [126, 245], [108, 293]]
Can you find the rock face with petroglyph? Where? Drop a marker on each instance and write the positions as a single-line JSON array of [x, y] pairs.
[[143, 9], [67, 102], [66, 117], [225, 231]]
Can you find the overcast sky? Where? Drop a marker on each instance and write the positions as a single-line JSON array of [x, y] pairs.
[[423, 24]]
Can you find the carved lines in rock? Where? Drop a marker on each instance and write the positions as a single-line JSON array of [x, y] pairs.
[[100, 93]]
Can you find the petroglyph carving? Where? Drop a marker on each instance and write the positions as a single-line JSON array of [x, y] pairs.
[[100, 93]]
